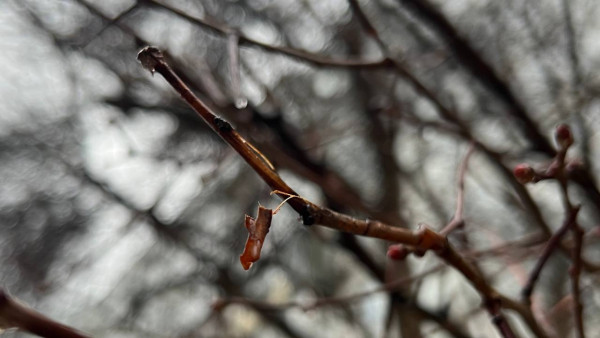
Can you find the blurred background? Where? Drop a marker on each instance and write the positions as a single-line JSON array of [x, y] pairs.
[[121, 213]]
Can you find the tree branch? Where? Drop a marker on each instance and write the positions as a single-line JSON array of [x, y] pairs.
[[224, 30], [14, 314], [457, 220], [423, 239]]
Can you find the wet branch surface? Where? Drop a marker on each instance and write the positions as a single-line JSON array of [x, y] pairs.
[[423, 239]]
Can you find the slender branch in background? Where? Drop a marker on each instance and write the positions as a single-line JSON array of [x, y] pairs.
[[575, 273], [458, 221], [576, 74], [328, 301], [481, 70], [423, 239], [233, 49], [443, 322], [294, 53], [524, 243], [111, 22], [13, 314], [551, 245], [469, 58], [564, 139]]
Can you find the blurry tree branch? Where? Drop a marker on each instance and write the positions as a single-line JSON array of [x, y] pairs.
[[13, 314]]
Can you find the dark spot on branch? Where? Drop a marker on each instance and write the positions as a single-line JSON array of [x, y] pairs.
[[223, 125], [308, 217]]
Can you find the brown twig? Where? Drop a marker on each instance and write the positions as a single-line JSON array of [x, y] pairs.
[[423, 239], [224, 30], [557, 170], [457, 220], [564, 139], [13, 314], [551, 245], [575, 272]]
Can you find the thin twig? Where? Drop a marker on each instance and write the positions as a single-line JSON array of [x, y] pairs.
[[327, 301], [575, 273], [565, 140], [551, 245], [526, 242], [458, 221], [294, 53]]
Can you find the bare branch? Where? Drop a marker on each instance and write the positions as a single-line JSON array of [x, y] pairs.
[[457, 221], [14, 314], [423, 239]]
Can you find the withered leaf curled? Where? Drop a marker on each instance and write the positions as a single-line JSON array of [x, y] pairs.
[[257, 231]]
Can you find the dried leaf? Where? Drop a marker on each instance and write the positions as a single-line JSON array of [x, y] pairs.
[[257, 231]]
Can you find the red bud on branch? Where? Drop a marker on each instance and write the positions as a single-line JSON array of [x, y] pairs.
[[524, 173], [564, 136]]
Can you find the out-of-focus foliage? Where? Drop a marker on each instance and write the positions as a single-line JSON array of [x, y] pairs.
[[122, 214]]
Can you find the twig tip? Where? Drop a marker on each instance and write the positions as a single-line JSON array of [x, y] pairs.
[[150, 57]]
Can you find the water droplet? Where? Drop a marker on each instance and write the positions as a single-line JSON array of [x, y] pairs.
[[241, 103]]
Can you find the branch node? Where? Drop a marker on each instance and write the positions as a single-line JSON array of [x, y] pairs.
[[223, 125], [429, 240]]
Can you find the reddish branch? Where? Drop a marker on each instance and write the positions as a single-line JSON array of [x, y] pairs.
[[575, 273], [551, 245], [294, 53], [14, 314], [423, 239], [558, 170], [457, 220]]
